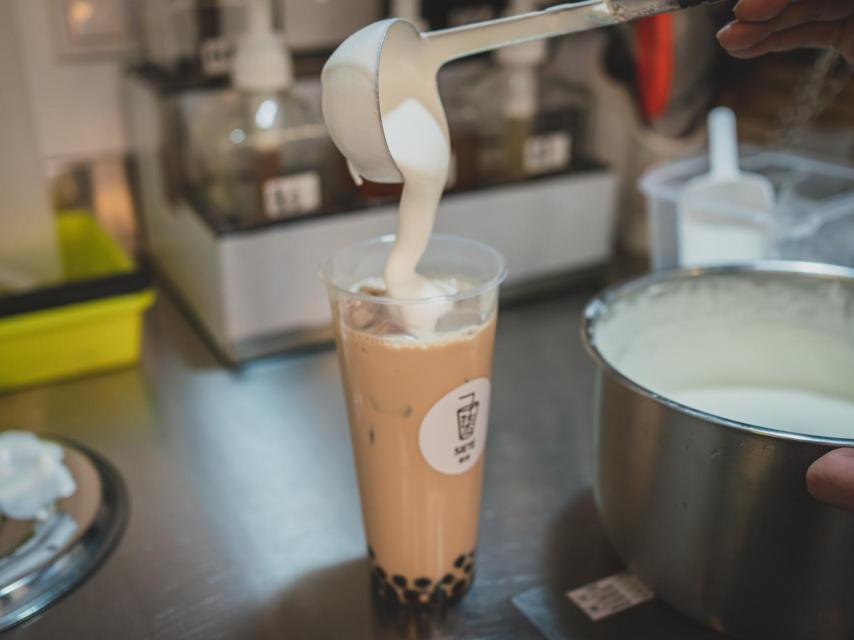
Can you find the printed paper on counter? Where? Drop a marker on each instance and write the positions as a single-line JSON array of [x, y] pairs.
[[610, 595]]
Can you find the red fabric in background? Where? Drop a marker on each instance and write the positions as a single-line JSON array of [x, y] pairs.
[[654, 63]]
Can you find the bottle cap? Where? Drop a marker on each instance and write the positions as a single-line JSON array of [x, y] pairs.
[[520, 100], [527, 54], [262, 61]]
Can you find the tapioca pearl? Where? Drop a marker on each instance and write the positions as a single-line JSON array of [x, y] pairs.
[[380, 573], [423, 583], [458, 588], [439, 595], [448, 579], [459, 562], [411, 595], [468, 568], [399, 580]]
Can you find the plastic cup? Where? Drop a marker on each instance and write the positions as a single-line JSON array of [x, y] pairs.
[[416, 377]]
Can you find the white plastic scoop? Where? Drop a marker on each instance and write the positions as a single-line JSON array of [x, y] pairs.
[[725, 215]]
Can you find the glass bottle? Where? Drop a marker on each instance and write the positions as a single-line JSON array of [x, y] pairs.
[[530, 117], [262, 152]]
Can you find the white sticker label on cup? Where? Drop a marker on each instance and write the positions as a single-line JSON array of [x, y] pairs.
[[453, 433], [610, 595]]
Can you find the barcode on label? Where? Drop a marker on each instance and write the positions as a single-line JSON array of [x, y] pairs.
[[610, 595], [547, 152], [289, 195]]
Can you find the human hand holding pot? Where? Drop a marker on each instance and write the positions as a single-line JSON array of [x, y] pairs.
[[831, 478]]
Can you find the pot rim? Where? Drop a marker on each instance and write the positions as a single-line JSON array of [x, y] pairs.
[[596, 307]]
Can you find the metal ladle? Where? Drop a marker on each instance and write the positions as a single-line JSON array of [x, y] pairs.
[[361, 80]]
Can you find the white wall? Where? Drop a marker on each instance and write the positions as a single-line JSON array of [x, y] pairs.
[[27, 240], [75, 102]]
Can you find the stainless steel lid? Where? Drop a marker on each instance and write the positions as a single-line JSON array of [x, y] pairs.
[[42, 560]]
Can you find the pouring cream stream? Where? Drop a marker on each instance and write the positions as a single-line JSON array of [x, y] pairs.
[[382, 106]]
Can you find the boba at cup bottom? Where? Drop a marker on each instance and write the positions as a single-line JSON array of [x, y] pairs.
[[420, 591]]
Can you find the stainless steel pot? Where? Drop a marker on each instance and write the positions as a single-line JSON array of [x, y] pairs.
[[712, 513]]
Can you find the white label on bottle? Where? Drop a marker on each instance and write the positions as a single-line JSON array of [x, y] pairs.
[[610, 595], [216, 54], [288, 195], [547, 152], [453, 433]]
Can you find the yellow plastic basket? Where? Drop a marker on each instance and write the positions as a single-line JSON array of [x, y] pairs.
[[90, 322]]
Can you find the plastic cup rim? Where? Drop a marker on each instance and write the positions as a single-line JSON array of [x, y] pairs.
[[474, 292]]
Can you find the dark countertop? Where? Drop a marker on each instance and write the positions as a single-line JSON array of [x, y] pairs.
[[245, 520]]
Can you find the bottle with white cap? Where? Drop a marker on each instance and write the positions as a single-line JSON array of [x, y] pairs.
[[269, 155], [530, 115]]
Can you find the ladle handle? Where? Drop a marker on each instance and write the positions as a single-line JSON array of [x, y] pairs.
[[632, 9], [471, 39]]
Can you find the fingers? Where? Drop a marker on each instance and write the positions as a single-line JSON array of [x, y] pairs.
[[740, 36], [801, 23], [808, 11], [792, 14], [747, 33], [759, 10], [814, 35], [831, 478]]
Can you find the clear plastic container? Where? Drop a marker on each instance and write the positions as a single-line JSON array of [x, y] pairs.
[[813, 219]]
